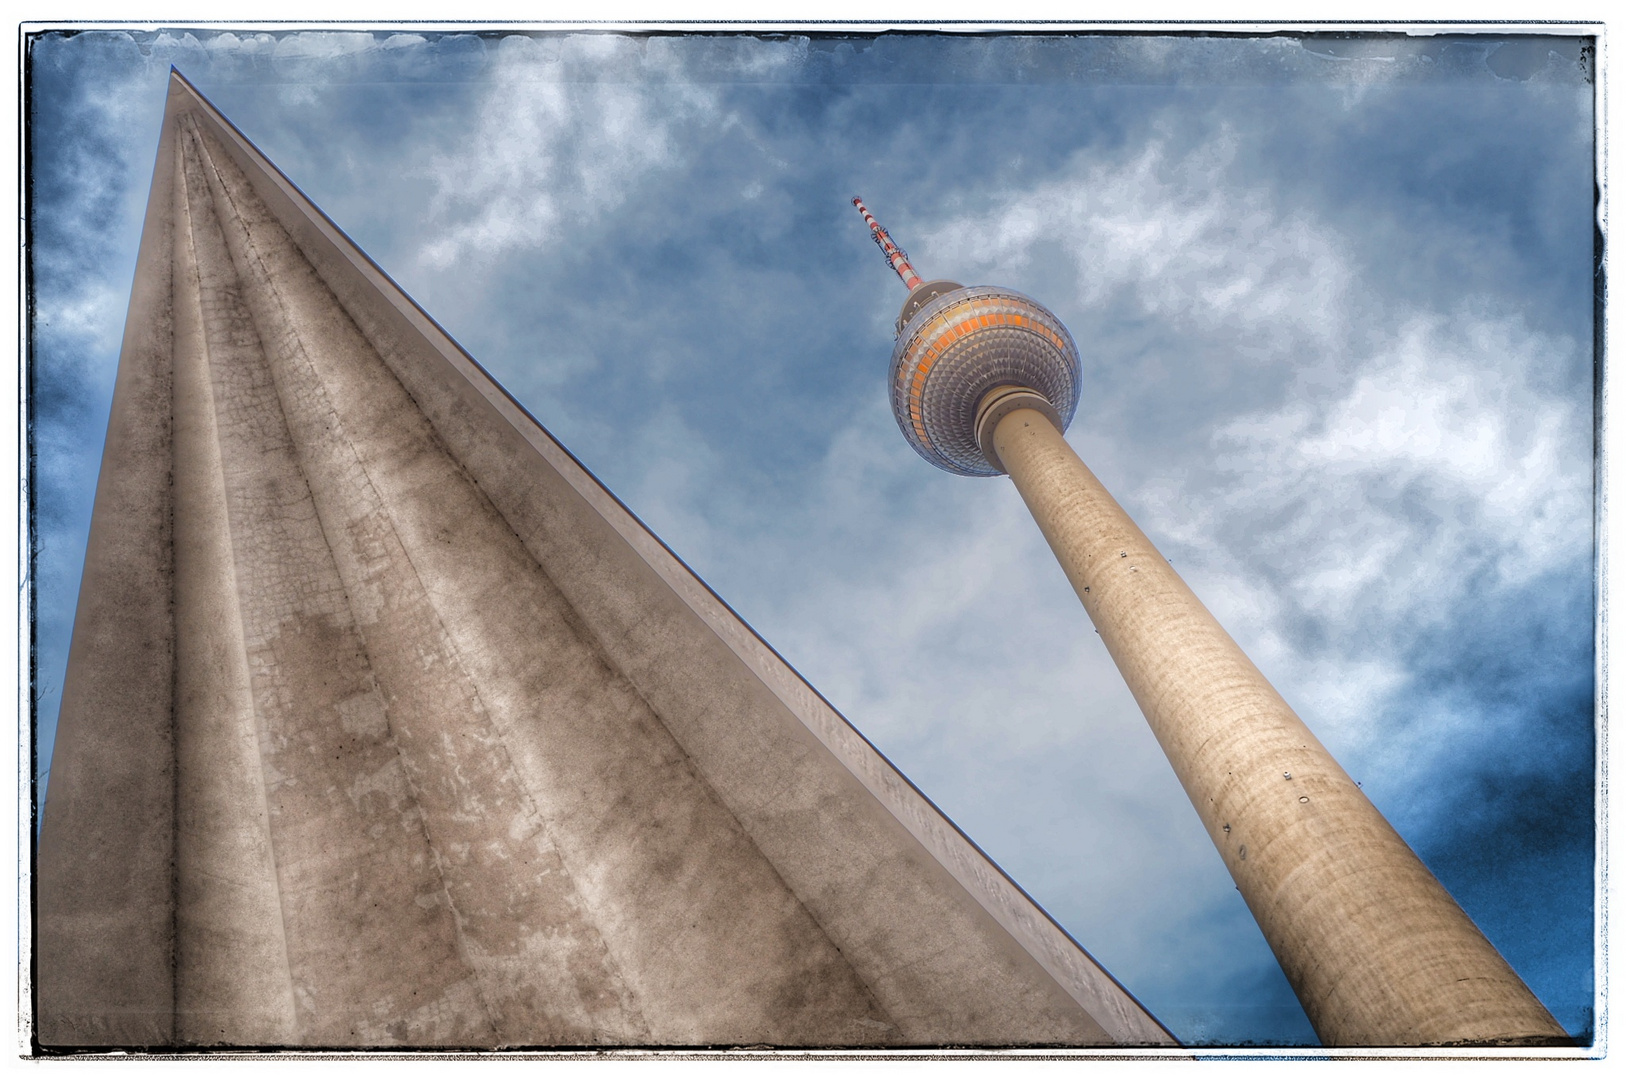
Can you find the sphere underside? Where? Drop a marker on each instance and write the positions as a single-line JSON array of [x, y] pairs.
[[963, 344]]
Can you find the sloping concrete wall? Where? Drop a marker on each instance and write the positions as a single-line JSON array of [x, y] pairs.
[[456, 752], [104, 879]]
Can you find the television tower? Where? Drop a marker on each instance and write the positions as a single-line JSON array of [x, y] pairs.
[[985, 381]]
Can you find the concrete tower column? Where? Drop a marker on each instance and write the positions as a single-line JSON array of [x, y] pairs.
[[984, 380], [1376, 949], [386, 724]]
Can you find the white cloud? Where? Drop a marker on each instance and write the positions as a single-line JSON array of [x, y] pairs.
[[83, 251], [1177, 234], [90, 315], [1440, 475], [544, 151], [1406, 462]]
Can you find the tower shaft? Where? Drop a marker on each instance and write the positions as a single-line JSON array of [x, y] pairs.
[[1376, 949]]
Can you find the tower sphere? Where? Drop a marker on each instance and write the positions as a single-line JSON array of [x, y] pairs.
[[955, 345]]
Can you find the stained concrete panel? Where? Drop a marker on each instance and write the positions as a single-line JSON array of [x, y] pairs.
[[104, 880], [507, 772]]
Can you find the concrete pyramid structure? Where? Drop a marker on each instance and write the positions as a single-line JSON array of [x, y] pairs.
[[386, 724]]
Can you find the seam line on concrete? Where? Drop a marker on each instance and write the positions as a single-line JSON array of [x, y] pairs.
[[388, 507], [588, 637], [500, 737], [251, 251], [231, 553], [592, 640], [178, 150]]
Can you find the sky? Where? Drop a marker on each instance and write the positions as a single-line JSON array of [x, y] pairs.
[[1334, 299]]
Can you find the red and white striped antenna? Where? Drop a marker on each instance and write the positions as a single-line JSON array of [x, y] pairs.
[[894, 254]]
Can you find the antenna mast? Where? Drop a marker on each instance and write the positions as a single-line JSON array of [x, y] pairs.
[[894, 254]]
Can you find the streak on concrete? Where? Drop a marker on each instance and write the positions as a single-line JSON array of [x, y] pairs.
[[1376, 949], [522, 778], [104, 927], [373, 954], [227, 903]]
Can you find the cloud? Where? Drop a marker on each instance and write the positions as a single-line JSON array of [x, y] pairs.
[[543, 150], [1353, 522], [90, 312], [1173, 231], [1407, 460]]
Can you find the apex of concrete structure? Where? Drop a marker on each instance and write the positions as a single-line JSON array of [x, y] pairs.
[[385, 723]]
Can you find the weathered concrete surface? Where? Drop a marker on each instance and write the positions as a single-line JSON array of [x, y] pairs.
[[465, 756], [104, 878], [227, 902], [1376, 949]]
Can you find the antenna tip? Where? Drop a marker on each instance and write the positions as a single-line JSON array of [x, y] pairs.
[[857, 201]]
